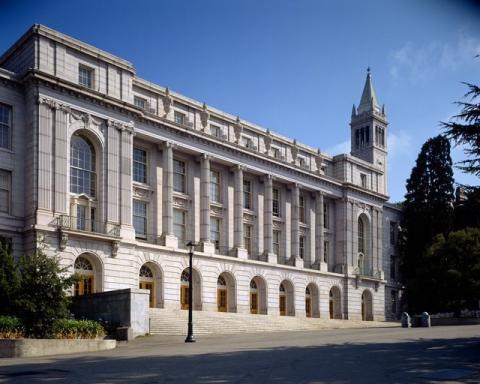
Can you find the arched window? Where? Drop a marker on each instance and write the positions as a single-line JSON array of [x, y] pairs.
[[282, 288], [361, 236], [82, 166], [221, 281], [253, 284], [146, 272], [185, 276], [85, 284], [307, 291]]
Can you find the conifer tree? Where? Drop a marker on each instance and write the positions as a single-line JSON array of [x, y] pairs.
[[467, 132], [428, 211]]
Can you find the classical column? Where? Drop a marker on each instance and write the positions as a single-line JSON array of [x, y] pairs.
[[126, 151], [319, 263], [295, 230], [379, 235], [238, 213], [268, 220], [169, 238], [205, 204]]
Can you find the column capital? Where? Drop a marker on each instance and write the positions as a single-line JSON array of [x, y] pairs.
[[238, 167], [268, 177], [204, 156]]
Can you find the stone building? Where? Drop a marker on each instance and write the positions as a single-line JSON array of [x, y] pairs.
[[115, 174]]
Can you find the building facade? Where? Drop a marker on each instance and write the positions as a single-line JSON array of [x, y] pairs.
[[114, 175]]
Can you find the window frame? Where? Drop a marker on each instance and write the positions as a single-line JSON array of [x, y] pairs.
[[179, 117], [8, 127], [8, 189], [183, 239], [90, 71], [184, 176], [218, 232], [276, 211], [145, 165], [82, 172], [302, 209], [215, 188], [248, 237], [247, 194], [141, 101], [276, 241], [302, 240], [136, 202]]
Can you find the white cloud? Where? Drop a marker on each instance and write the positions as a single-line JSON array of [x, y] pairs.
[[343, 147], [399, 144], [422, 63]]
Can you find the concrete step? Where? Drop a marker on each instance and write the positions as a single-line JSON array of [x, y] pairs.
[[174, 322]]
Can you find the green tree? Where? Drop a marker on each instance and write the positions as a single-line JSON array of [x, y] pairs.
[[428, 211], [456, 261], [465, 130], [9, 278], [42, 297]]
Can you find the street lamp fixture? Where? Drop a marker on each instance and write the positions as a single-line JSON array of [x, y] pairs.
[[191, 246]]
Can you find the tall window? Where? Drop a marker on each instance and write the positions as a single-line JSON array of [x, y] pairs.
[[215, 232], [276, 202], [180, 226], [363, 180], [247, 142], [139, 102], [85, 284], [5, 190], [247, 238], [215, 186], [301, 246], [301, 208], [361, 236], [179, 117], [140, 218], [393, 267], [247, 194], [325, 251], [5, 126], [215, 130], [179, 184], [276, 153], [85, 76], [326, 216], [393, 230], [394, 300], [276, 242], [139, 165], [82, 166]]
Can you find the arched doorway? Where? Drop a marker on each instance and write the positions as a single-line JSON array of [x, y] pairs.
[[335, 307], [147, 281], [367, 305], [86, 283], [258, 296], [226, 300], [184, 284], [312, 301], [308, 303], [286, 302], [222, 294]]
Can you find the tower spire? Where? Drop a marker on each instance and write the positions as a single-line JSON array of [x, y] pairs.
[[369, 100]]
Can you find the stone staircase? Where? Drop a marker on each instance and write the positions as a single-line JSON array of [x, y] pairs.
[[174, 322]]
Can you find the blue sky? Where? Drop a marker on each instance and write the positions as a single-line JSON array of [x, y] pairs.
[[296, 66]]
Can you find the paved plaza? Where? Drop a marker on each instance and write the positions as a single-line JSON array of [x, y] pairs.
[[376, 355]]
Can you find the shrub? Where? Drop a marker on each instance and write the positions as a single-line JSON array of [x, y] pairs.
[[11, 328], [9, 278], [77, 329], [42, 297]]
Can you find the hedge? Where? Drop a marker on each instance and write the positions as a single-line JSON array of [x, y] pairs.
[[77, 329], [11, 328]]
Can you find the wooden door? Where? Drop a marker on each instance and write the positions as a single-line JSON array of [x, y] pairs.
[[149, 286], [331, 309], [363, 309], [283, 305], [222, 299], [184, 297], [308, 307], [84, 286], [253, 303]]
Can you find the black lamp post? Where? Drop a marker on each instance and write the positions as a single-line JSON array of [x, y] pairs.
[[191, 245]]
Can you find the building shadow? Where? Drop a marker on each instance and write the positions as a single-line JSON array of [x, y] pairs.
[[398, 362]]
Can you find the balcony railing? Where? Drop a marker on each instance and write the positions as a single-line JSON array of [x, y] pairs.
[[73, 223]]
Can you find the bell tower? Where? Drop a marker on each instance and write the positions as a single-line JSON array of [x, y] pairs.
[[369, 128]]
